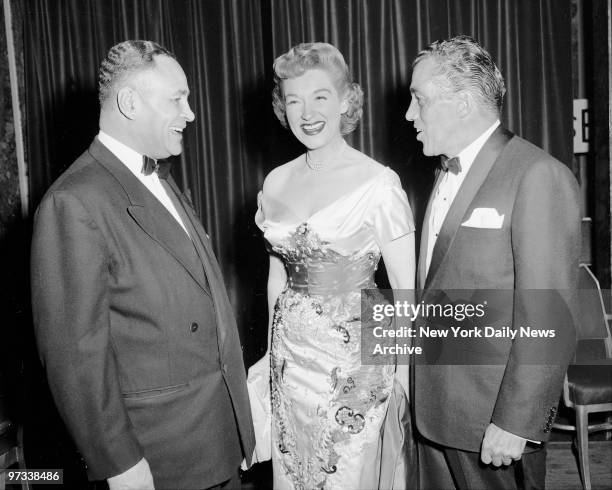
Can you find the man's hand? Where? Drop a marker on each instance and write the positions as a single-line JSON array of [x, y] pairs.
[[501, 447], [138, 477]]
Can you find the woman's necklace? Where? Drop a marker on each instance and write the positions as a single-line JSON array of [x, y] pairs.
[[324, 164]]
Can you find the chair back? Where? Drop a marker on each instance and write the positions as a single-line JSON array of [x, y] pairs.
[[593, 331]]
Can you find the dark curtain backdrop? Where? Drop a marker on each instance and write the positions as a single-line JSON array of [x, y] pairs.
[[227, 48]]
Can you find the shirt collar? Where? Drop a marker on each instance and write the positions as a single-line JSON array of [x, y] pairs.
[[469, 153], [129, 157]]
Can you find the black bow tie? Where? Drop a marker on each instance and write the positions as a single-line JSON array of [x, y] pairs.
[[150, 165], [450, 164]]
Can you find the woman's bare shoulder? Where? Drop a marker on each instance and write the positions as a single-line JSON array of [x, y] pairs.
[[364, 165], [278, 177]]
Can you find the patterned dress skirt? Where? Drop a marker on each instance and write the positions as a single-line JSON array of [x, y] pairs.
[[328, 407]]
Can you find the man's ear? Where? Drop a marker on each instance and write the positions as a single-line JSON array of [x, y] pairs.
[[126, 102], [465, 104]]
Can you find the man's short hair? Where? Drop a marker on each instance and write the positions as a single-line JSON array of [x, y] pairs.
[[125, 59], [463, 64]]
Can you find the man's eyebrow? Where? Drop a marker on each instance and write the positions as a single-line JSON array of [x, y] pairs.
[[181, 92]]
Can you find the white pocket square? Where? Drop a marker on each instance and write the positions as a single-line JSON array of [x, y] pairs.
[[485, 218]]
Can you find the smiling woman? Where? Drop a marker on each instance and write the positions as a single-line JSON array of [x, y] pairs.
[[313, 110], [328, 216]]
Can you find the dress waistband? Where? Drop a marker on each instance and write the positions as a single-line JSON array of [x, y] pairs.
[[328, 278]]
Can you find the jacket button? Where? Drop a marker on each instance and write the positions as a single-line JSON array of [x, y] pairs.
[[194, 327]]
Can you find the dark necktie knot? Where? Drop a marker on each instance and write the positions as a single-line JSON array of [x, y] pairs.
[[450, 164], [150, 165]]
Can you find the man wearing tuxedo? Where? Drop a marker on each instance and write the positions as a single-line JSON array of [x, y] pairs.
[[503, 215], [132, 319]]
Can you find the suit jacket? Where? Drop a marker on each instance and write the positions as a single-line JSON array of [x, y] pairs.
[[135, 330], [515, 384]]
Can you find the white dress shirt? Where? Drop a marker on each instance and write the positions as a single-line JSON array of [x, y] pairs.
[[133, 161], [445, 193]]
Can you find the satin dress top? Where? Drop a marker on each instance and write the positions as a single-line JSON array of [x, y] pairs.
[[327, 408]]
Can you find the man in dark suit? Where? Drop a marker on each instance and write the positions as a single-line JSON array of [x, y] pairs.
[[132, 319], [503, 215]]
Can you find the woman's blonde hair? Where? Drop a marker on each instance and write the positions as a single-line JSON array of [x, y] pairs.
[[309, 56]]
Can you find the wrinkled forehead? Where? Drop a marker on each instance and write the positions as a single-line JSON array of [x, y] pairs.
[[164, 72], [423, 72], [427, 76]]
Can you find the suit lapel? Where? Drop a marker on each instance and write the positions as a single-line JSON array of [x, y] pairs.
[[470, 186], [150, 214], [211, 267]]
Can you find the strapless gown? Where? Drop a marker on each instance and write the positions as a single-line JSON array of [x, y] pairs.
[[329, 410]]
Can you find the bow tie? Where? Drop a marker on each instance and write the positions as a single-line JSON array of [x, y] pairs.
[[150, 165], [450, 164]]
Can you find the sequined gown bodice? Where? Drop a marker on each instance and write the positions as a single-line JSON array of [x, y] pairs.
[[327, 407], [314, 270]]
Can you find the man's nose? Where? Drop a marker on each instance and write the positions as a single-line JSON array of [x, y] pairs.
[[188, 113], [411, 113]]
